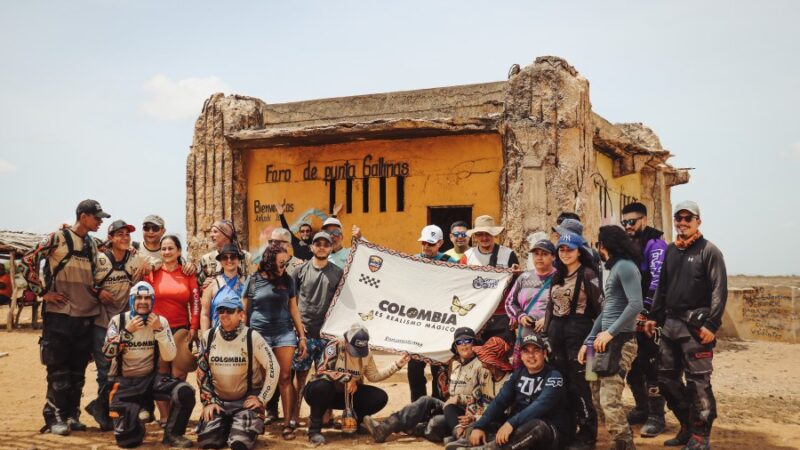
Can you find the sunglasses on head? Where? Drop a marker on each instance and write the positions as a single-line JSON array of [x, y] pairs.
[[229, 257], [629, 222], [226, 310], [150, 227], [684, 218], [459, 234], [464, 341]]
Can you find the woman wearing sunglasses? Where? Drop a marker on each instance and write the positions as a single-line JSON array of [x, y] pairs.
[[575, 297], [226, 283], [179, 303], [271, 305]]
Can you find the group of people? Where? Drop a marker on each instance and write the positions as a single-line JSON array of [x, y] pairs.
[[553, 359]]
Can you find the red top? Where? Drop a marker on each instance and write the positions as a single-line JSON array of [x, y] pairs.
[[177, 297]]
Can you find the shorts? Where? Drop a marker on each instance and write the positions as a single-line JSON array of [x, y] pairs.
[[314, 350], [286, 339]]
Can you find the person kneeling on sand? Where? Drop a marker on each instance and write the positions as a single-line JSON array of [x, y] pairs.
[[237, 374], [340, 374], [535, 398], [134, 342]]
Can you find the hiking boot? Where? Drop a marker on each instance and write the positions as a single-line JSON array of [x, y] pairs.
[[653, 427], [238, 445], [580, 445], [637, 416], [176, 441], [316, 438], [272, 416], [625, 443], [95, 410], [451, 443], [75, 424], [698, 442], [680, 439], [378, 430], [60, 427]]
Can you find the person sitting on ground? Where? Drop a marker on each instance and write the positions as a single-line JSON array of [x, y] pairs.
[[229, 281], [347, 362], [134, 342], [237, 374], [532, 403], [493, 374], [429, 410]]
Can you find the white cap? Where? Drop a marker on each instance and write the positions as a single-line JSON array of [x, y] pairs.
[[687, 205], [332, 221], [431, 234]]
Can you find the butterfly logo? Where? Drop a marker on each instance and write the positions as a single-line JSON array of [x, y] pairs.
[[457, 307], [368, 316]]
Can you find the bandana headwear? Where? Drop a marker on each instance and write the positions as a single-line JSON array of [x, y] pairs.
[[684, 243], [226, 228], [494, 352]]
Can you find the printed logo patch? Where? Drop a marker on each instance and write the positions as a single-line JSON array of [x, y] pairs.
[[368, 316], [457, 307], [375, 263], [369, 281], [484, 283], [554, 382]]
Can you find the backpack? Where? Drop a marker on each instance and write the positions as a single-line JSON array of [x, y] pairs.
[[119, 353], [117, 266], [87, 251], [207, 352]]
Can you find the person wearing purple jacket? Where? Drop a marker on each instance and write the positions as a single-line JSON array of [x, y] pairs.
[[526, 303], [643, 376]]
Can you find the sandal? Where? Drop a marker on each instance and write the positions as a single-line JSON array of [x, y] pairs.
[[288, 433]]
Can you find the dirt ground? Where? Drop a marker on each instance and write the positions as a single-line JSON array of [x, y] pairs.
[[756, 386]]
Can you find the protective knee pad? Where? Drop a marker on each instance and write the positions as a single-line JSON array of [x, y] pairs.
[[703, 401], [130, 438], [60, 381], [183, 394]]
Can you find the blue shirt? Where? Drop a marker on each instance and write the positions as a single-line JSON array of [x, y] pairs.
[[269, 305], [622, 292]]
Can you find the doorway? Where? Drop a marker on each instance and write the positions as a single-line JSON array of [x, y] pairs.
[[444, 216]]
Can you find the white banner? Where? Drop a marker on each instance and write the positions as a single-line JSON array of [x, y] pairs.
[[410, 304]]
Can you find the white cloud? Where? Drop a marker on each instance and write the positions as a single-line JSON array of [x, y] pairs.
[[6, 167], [182, 99]]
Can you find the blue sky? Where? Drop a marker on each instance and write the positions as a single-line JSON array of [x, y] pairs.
[[99, 98]]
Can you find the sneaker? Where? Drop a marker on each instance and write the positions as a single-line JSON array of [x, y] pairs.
[[378, 432], [680, 439], [60, 428], [316, 439], [653, 427], [176, 441]]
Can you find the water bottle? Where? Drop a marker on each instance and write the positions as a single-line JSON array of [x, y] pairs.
[[591, 375]]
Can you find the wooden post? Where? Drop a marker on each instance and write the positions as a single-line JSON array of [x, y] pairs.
[[12, 305]]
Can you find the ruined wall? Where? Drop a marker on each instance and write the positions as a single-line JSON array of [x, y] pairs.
[[766, 313], [215, 186], [550, 159]]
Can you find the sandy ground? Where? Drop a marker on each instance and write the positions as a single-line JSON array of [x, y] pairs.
[[756, 385]]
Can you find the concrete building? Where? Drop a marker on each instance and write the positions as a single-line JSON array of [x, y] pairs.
[[521, 150]]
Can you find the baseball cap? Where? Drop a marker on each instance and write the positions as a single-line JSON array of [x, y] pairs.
[[332, 221], [571, 240], [231, 300], [687, 205], [534, 339], [357, 338], [322, 235], [91, 207], [230, 249], [546, 245], [154, 219], [569, 226], [431, 234], [464, 333], [118, 225]]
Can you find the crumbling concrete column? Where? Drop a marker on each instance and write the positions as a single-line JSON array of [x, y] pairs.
[[550, 158], [215, 182]]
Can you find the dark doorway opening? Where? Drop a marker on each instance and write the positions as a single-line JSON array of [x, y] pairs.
[[444, 216]]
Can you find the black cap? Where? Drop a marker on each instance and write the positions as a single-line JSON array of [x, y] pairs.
[[118, 225], [534, 339], [91, 207], [357, 338], [546, 245], [463, 333], [230, 249]]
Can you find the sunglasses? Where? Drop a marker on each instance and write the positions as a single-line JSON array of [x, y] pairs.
[[684, 218], [148, 227], [226, 310], [276, 241], [305, 230], [629, 222], [464, 341], [459, 234], [229, 257], [335, 232]]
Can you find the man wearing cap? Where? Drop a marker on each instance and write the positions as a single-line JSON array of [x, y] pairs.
[[315, 281], [688, 306], [135, 341], [532, 403], [339, 253], [643, 376], [69, 309], [463, 388], [153, 230], [301, 246], [222, 232], [117, 269], [346, 363], [431, 239], [458, 236], [237, 374], [526, 303], [489, 253]]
